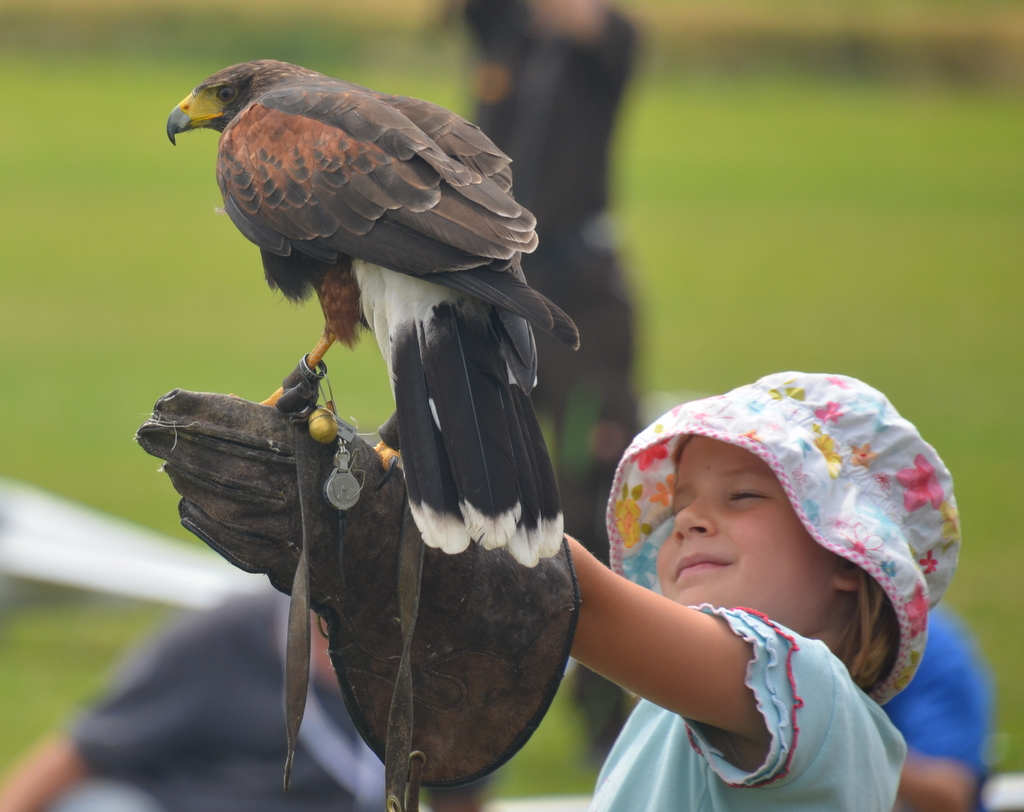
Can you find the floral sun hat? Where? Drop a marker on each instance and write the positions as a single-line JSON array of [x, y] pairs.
[[859, 476]]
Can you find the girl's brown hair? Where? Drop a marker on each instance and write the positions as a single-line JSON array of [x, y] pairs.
[[870, 642]]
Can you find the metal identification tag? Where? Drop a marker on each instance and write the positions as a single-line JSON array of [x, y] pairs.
[[342, 488]]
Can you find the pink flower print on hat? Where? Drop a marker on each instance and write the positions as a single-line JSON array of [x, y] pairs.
[[649, 456], [705, 417], [928, 563], [921, 485], [830, 411], [917, 611], [860, 542]]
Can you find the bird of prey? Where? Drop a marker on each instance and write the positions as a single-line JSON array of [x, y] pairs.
[[399, 215]]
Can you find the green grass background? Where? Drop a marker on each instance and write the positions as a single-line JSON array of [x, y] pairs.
[[769, 222]]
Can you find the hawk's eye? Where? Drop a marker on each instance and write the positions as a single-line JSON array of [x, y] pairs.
[[226, 94]]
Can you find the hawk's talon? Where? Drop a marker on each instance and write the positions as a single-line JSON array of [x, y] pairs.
[[386, 453], [391, 465]]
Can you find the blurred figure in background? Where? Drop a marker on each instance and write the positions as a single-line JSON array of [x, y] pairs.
[[549, 84], [945, 714], [195, 723]]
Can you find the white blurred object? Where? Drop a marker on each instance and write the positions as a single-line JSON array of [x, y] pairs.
[[1004, 792], [56, 541]]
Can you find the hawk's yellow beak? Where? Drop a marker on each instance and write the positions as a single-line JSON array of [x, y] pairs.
[[193, 112]]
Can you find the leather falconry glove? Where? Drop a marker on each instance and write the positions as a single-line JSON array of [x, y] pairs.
[[462, 653]]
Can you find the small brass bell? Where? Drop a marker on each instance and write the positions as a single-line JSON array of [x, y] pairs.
[[323, 426]]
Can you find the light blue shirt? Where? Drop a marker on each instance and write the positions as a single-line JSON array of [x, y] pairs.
[[832, 747]]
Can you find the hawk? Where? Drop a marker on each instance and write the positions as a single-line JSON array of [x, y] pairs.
[[399, 215]]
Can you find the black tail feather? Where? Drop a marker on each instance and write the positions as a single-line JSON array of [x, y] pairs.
[[428, 471], [518, 347], [465, 376], [529, 491], [497, 479], [548, 507]]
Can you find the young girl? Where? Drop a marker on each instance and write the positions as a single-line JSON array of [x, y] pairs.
[[809, 527]]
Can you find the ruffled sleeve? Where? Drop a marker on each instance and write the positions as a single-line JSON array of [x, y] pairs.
[[826, 736], [770, 676]]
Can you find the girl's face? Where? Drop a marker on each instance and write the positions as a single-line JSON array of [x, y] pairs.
[[738, 543]]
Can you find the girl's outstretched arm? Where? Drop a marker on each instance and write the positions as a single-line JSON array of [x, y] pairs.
[[683, 660]]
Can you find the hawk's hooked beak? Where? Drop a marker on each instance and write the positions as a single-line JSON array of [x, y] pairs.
[[193, 112]]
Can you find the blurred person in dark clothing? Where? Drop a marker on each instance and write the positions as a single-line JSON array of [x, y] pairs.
[[194, 722], [549, 84]]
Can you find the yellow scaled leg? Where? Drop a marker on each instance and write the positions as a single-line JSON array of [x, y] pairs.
[[315, 356], [272, 400], [318, 352]]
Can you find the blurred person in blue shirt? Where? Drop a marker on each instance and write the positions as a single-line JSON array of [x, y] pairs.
[[945, 714]]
